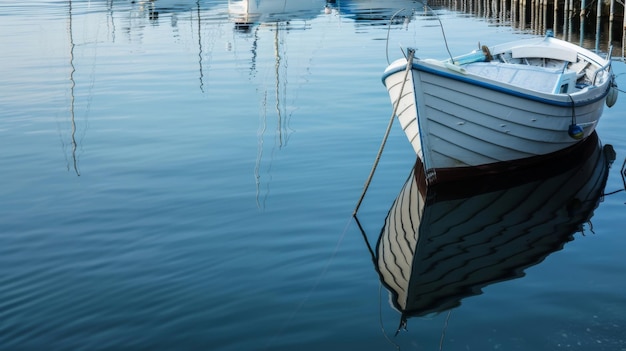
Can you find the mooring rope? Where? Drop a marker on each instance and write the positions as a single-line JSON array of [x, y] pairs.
[[573, 109], [443, 331], [409, 66], [380, 317], [389, 32]]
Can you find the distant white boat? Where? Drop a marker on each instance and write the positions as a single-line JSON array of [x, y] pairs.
[[442, 243], [511, 101], [273, 11]]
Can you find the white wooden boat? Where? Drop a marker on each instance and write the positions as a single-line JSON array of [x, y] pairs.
[[510, 101], [442, 243]]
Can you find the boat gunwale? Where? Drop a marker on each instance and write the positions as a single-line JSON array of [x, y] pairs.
[[486, 83]]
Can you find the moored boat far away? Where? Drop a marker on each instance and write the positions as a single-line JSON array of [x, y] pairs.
[[443, 243], [511, 101], [246, 12]]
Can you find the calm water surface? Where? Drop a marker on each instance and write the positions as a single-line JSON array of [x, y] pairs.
[[180, 175]]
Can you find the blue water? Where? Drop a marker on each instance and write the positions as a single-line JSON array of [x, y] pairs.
[[173, 179]]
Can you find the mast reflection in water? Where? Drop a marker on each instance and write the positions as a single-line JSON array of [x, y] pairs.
[[444, 243]]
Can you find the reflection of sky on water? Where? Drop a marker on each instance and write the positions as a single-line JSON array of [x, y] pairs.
[[169, 234]]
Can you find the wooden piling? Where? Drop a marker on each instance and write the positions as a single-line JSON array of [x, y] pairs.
[[537, 16], [624, 34], [570, 19], [583, 13], [503, 10], [514, 17], [611, 18], [598, 23], [522, 14], [544, 16], [533, 15], [555, 15], [565, 11]]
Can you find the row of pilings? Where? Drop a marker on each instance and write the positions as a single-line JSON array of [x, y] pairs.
[[591, 23]]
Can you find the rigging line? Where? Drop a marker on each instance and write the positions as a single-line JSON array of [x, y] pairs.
[[277, 64], [388, 32], [612, 192], [443, 332], [257, 165], [315, 284], [409, 66], [380, 317], [443, 32], [73, 99], [380, 308], [615, 78], [92, 81], [200, 47]]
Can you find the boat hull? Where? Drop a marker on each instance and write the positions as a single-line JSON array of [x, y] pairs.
[[455, 119]]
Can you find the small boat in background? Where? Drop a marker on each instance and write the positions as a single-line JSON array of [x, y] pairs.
[[440, 244], [247, 12], [507, 102]]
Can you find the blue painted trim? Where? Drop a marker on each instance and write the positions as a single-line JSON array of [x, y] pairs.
[[494, 87]]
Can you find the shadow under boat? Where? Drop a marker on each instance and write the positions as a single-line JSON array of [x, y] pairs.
[[446, 242]]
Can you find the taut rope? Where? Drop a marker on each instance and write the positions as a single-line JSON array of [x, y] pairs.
[[409, 66]]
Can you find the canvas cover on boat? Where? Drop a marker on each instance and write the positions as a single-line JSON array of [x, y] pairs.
[[541, 79]]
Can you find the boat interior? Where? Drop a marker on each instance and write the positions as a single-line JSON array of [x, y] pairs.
[[546, 69]]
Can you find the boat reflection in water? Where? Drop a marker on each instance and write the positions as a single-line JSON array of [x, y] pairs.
[[246, 13], [444, 243], [263, 22]]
